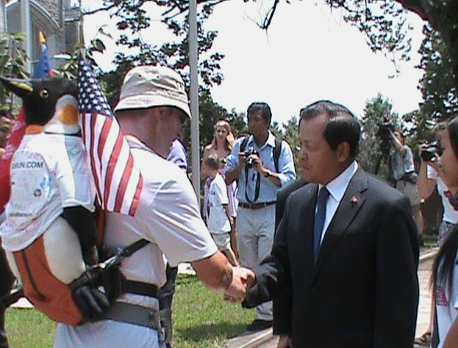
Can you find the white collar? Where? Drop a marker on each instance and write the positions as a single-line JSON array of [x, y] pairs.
[[270, 141], [338, 186]]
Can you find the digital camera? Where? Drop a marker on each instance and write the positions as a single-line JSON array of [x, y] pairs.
[[429, 152], [384, 129], [250, 151]]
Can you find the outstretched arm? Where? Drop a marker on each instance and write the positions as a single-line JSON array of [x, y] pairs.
[[219, 275]]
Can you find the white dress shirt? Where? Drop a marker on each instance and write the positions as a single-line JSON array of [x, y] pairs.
[[337, 188]]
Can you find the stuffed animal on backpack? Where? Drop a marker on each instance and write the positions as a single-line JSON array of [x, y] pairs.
[[50, 230]]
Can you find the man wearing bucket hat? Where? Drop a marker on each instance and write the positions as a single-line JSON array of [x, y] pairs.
[[152, 108]]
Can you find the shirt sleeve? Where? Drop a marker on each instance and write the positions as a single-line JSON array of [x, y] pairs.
[[287, 172], [233, 159], [174, 222]]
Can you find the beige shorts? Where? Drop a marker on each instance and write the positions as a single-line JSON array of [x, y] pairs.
[[222, 240], [410, 190]]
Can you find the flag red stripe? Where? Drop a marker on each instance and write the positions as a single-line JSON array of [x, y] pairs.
[[110, 170], [126, 175], [136, 200]]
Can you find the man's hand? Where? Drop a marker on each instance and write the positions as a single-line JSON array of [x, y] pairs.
[[285, 342], [243, 279]]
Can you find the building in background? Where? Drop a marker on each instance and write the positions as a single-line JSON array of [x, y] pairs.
[[57, 19]]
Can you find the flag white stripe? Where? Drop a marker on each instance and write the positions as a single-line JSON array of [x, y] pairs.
[[121, 164]]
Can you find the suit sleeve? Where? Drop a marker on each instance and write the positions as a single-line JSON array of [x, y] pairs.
[[396, 277]]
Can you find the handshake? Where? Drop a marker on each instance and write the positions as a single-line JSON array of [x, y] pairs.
[[243, 279]]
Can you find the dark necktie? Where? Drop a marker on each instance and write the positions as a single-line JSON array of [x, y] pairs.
[[319, 219]]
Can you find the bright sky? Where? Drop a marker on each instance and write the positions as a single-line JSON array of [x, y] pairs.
[[309, 53]]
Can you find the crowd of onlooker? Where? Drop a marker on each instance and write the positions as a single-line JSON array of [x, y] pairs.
[[335, 248]]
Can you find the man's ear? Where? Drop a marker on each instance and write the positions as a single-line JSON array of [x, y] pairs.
[[343, 152]]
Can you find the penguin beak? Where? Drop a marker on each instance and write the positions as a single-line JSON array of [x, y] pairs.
[[20, 87]]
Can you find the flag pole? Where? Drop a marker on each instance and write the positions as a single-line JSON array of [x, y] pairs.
[[193, 63]]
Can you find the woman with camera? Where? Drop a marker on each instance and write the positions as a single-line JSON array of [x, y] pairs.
[[445, 269], [430, 177]]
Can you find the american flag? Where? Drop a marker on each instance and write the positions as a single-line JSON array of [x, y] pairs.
[[118, 181]]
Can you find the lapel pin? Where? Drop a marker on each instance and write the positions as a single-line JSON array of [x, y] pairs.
[[354, 200]]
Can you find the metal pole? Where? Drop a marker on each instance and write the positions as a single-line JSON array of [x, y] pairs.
[[62, 23], [3, 26], [26, 25], [193, 63]]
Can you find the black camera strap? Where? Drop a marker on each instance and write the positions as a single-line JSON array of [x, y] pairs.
[[257, 188]]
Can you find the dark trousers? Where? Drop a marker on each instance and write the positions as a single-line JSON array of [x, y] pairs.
[[165, 296], [6, 282]]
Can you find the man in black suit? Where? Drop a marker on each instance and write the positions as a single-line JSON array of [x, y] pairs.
[[349, 262]]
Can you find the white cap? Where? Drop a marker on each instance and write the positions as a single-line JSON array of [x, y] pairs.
[[149, 86]]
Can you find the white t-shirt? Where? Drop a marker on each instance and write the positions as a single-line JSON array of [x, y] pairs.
[[450, 214], [402, 164], [48, 173], [168, 216], [218, 221], [446, 307]]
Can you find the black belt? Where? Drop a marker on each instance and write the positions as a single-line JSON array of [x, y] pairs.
[[139, 288], [132, 314], [255, 205]]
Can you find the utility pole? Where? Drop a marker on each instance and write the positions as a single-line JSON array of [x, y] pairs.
[[193, 64]]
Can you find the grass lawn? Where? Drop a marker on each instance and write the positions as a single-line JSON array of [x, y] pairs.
[[201, 319]]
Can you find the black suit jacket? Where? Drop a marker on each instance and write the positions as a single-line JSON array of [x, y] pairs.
[[281, 308], [363, 289]]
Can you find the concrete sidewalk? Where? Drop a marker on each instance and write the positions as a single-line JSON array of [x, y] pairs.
[[265, 339]]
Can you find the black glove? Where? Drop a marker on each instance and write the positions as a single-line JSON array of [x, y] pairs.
[[87, 295], [90, 300]]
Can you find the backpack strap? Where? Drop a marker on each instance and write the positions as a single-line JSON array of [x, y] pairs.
[[276, 153], [117, 258], [244, 143]]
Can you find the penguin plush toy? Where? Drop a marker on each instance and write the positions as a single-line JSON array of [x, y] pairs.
[[50, 231]]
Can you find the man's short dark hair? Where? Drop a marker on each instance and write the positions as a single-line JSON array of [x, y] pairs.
[[266, 113], [212, 161], [342, 126]]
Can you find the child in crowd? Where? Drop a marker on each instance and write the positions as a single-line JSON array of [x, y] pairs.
[[217, 205]]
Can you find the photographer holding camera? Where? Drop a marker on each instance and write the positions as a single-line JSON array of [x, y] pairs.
[[430, 177], [405, 177], [262, 165]]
